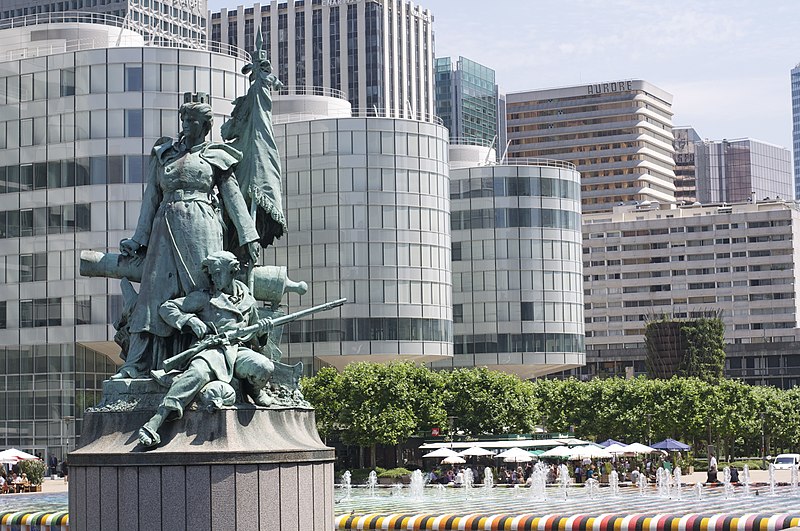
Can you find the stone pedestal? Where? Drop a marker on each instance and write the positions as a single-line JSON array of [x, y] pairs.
[[239, 469]]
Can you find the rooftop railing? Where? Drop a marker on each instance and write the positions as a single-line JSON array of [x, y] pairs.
[[302, 90], [550, 163], [471, 141], [151, 38], [362, 112]]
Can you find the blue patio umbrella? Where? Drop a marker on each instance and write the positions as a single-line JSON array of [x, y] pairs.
[[671, 445], [609, 442]]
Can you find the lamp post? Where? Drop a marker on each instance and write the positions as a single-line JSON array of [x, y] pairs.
[[450, 423], [68, 421], [649, 416], [763, 442]]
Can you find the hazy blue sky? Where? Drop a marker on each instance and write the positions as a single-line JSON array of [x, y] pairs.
[[726, 62]]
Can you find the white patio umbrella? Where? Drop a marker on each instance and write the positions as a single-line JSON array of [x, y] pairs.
[[616, 449], [475, 451], [12, 456], [639, 448], [441, 452], [590, 452], [515, 455], [558, 451], [453, 460]]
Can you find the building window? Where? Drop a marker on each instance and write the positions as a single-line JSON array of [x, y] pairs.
[[67, 82], [32, 267], [133, 78], [83, 310], [39, 312], [134, 124]]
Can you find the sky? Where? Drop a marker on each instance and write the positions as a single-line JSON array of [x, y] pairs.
[[727, 63]]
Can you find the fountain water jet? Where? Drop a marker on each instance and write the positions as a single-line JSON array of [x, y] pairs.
[[746, 479], [771, 479], [347, 487], [677, 475], [417, 485], [613, 483], [488, 478], [372, 482], [726, 482], [539, 481]]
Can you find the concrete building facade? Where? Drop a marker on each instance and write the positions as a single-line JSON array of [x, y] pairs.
[[379, 53], [618, 134], [739, 260]]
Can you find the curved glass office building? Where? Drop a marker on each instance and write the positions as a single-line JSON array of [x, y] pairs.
[[82, 101], [368, 212], [517, 271]]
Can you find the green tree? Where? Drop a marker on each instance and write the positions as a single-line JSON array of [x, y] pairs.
[[489, 402], [323, 391], [386, 404]]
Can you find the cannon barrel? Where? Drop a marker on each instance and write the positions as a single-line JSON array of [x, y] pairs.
[[269, 282]]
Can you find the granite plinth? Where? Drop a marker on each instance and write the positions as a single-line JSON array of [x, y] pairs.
[[245, 468]]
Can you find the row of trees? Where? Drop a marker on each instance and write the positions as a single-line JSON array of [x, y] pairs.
[[368, 404]]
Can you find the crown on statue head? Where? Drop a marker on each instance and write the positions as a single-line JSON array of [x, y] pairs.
[[196, 97]]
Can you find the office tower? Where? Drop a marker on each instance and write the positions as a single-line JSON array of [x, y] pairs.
[[618, 134], [685, 171], [467, 100], [367, 206], [162, 22], [740, 170], [76, 132], [738, 261], [688, 262], [517, 286], [379, 53], [796, 127]]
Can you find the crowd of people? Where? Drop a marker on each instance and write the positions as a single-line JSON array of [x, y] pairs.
[[14, 481], [628, 470]]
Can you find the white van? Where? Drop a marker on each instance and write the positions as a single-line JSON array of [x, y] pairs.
[[786, 461]]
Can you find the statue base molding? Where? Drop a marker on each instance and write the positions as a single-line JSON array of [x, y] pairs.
[[243, 468]]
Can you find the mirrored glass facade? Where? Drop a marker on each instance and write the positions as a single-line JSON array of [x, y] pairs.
[[796, 127], [76, 131], [467, 100], [742, 170]]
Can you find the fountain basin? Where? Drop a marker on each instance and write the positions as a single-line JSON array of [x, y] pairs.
[[517, 509]]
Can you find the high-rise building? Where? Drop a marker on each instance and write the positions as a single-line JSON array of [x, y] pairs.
[[79, 119], [467, 100], [796, 127], [379, 53], [517, 285], [685, 171], [618, 134], [739, 260], [367, 206], [738, 170], [163, 22]]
